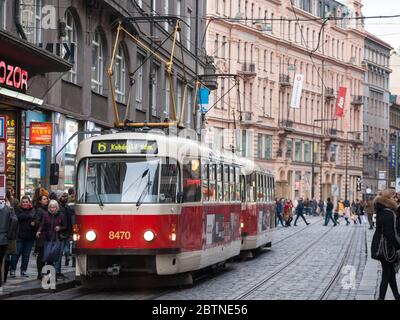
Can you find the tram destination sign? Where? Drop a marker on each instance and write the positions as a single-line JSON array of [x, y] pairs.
[[124, 147]]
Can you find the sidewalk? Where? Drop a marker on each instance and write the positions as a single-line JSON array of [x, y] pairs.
[[369, 286], [24, 286]]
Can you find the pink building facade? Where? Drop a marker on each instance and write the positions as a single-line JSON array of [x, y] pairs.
[[266, 43]]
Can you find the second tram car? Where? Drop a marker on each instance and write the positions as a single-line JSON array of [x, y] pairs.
[[151, 204]]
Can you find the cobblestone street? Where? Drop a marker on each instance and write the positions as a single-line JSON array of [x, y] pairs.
[[305, 263]]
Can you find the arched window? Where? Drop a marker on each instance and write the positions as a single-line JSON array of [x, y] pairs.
[[71, 39], [97, 63], [31, 19], [120, 75]]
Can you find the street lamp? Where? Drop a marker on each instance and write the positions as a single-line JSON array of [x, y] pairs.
[[313, 157], [347, 160]]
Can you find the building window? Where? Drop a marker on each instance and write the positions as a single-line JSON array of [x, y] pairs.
[[259, 146], [268, 147], [289, 149], [178, 7], [139, 82], [188, 111], [179, 92], [71, 39], [120, 75], [305, 5], [97, 63], [264, 101], [307, 151], [3, 14], [333, 153], [154, 90], [31, 19], [166, 12], [188, 28], [167, 97], [297, 150]]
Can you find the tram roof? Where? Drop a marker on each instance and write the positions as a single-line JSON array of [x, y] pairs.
[[169, 146]]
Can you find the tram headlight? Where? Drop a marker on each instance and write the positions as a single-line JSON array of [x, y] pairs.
[[149, 235], [90, 236], [76, 237]]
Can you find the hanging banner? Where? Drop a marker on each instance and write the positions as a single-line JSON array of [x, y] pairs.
[[340, 101], [297, 89], [41, 133]]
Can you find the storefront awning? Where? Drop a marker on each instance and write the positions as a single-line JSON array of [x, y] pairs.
[[35, 60]]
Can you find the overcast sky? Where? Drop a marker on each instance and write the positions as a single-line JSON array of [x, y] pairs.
[[386, 29]]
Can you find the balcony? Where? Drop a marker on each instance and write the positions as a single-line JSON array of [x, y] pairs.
[[330, 135], [248, 70], [355, 138], [357, 100], [284, 80], [247, 117], [285, 127], [329, 93]]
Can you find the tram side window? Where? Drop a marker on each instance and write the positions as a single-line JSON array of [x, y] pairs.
[[219, 183], [266, 188], [169, 181], [191, 180], [243, 186], [212, 183], [232, 184], [226, 182], [270, 189], [205, 180], [237, 184], [251, 187]]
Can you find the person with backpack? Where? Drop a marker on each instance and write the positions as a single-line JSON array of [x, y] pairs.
[[8, 231], [26, 236], [300, 212]]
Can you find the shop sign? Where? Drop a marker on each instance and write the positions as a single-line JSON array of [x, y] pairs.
[[41, 133], [13, 76], [2, 127]]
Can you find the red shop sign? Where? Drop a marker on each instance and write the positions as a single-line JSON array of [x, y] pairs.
[[13, 76], [41, 133]]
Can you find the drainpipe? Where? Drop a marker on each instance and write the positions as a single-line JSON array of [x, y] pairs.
[[17, 20]]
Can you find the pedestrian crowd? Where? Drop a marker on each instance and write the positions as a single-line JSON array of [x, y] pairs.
[[384, 209], [42, 225], [357, 211]]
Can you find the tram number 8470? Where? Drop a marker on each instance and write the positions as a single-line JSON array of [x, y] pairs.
[[119, 235]]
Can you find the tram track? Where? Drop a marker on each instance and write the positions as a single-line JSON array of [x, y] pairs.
[[350, 245], [281, 268]]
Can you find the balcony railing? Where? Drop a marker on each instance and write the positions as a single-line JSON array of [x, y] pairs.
[[286, 124], [357, 99], [248, 70], [284, 80], [329, 93]]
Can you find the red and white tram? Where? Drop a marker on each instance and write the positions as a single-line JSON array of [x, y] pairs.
[[152, 204]]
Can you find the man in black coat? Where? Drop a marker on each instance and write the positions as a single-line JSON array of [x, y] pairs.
[[386, 229], [300, 212], [329, 212]]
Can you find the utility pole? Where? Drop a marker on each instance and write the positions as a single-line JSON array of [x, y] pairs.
[[323, 98]]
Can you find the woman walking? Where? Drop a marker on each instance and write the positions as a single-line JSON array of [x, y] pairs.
[[26, 236], [53, 223], [41, 210], [387, 226]]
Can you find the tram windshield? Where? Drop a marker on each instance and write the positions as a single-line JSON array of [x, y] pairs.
[[118, 180]]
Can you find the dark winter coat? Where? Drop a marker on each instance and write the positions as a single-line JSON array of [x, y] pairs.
[[279, 207], [40, 212], [68, 213], [4, 225], [300, 207], [49, 223], [385, 224], [329, 207], [25, 219]]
